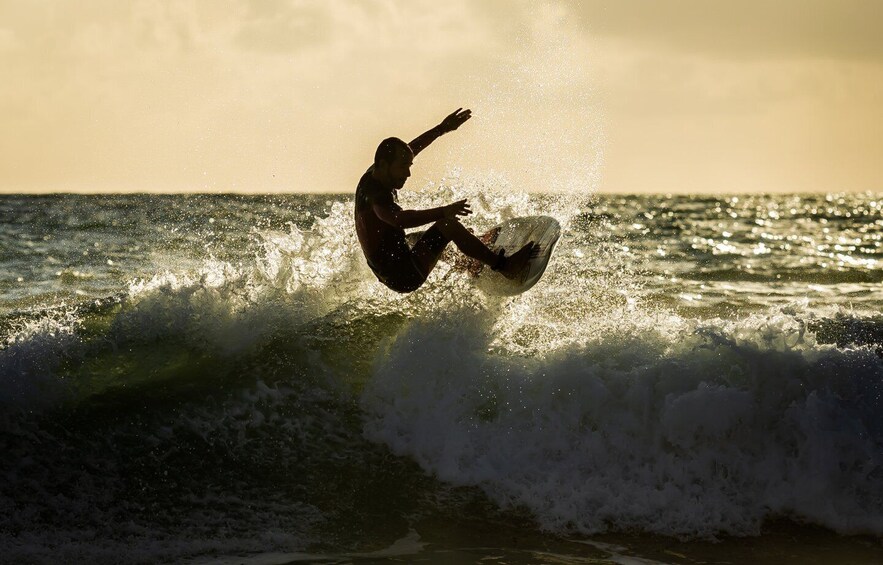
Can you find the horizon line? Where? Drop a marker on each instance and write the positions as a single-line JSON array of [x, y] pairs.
[[161, 192]]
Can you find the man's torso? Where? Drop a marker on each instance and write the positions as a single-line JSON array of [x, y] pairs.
[[384, 245]]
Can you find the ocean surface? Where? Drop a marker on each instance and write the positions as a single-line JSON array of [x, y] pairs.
[[220, 379]]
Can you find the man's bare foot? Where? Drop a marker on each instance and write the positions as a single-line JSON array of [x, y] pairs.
[[516, 262]]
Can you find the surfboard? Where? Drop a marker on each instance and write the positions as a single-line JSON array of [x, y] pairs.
[[511, 236]]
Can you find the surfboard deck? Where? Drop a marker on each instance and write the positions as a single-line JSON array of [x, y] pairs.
[[511, 236]]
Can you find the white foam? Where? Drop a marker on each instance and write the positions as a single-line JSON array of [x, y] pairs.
[[29, 355], [663, 426]]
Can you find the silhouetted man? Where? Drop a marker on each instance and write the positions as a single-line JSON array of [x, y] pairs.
[[381, 222]]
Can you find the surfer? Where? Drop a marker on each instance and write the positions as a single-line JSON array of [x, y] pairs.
[[381, 222]]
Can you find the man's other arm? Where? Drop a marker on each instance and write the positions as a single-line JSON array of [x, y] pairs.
[[450, 123]]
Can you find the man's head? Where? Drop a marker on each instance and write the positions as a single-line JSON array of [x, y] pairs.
[[392, 162]]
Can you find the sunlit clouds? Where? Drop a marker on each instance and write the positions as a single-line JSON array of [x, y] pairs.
[[293, 95]]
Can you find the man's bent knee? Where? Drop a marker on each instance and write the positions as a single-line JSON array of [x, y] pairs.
[[448, 226]]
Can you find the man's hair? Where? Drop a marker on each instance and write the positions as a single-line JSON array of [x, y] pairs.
[[389, 149]]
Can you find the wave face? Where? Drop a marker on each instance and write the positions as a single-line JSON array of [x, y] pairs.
[[666, 426], [214, 390]]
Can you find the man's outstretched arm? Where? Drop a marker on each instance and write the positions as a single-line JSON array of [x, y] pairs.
[[450, 123]]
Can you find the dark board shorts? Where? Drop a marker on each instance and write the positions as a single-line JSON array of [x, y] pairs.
[[404, 274]]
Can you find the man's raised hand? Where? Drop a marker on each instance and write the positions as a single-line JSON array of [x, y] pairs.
[[455, 119]]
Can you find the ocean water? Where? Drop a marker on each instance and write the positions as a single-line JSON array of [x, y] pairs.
[[219, 379]]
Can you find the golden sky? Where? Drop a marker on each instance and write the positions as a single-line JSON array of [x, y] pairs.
[[294, 95]]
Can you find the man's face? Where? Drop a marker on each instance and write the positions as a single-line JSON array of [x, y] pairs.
[[400, 169]]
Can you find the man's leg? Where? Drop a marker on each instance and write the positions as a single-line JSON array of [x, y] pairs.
[[470, 245], [466, 241], [429, 248]]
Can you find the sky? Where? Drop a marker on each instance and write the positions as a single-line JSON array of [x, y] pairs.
[[681, 96]]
